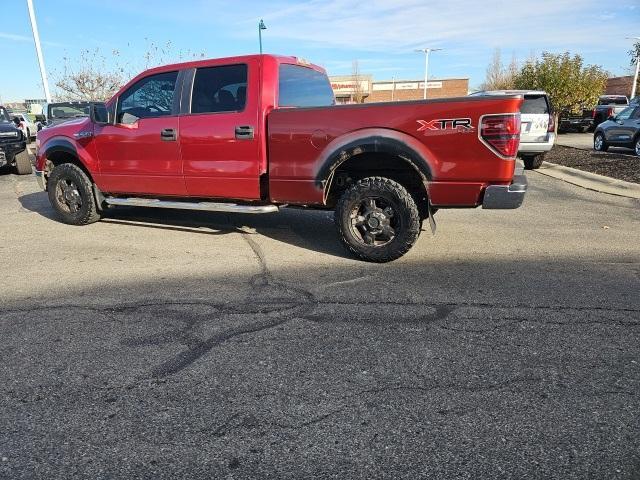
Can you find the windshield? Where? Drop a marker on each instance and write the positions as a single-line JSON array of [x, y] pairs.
[[4, 116], [68, 110], [534, 104]]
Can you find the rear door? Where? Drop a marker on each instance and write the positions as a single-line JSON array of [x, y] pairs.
[[534, 114], [221, 131]]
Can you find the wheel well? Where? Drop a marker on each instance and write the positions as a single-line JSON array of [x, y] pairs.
[[378, 164], [58, 157]]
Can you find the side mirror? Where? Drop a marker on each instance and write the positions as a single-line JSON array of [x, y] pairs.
[[99, 114], [16, 120]]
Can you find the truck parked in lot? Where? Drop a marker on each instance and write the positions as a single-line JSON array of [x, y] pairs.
[[251, 134], [13, 145], [608, 106]]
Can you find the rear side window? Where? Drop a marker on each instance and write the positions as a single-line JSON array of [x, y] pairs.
[[303, 87], [534, 104], [219, 89], [612, 101]]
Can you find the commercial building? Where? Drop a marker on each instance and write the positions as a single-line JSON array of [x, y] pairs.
[[619, 85], [363, 89]]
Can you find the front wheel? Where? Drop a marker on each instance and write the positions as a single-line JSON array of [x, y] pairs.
[[532, 162], [637, 147], [71, 195], [377, 219], [599, 143]]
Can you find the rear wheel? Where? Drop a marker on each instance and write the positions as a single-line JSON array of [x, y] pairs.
[[23, 163], [28, 139], [71, 195], [377, 219], [532, 162], [599, 143], [637, 147]]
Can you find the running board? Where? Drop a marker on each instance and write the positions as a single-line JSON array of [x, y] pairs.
[[202, 206]]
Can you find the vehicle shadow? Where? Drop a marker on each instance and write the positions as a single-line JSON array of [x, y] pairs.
[[309, 229]]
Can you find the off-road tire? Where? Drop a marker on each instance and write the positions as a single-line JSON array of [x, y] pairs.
[[83, 210], [23, 163], [404, 218], [604, 146], [531, 162]]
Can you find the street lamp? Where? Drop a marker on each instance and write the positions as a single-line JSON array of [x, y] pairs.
[[635, 77], [36, 40], [426, 52], [261, 26]]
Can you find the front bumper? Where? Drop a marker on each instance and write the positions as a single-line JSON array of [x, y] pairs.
[[506, 196]]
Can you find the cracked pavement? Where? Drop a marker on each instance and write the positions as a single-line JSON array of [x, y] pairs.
[[159, 344]]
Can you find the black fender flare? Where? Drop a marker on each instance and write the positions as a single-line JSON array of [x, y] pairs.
[[60, 144], [386, 141]]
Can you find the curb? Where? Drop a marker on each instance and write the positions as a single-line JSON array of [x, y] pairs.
[[591, 181]]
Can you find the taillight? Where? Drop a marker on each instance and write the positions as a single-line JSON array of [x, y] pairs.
[[552, 123], [593, 113], [501, 133]]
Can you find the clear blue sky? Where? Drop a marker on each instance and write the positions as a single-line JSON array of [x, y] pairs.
[[381, 34]]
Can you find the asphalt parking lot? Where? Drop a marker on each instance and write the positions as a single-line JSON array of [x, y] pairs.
[[159, 344]]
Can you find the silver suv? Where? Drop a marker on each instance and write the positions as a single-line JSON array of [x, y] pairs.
[[537, 135]]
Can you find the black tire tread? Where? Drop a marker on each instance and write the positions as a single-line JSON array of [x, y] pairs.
[[23, 163], [87, 215], [399, 245], [532, 162]]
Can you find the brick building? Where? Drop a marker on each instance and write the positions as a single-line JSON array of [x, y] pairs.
[[348, 90], [619, 85]]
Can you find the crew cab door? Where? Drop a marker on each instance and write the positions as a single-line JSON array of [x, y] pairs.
[[140, 152], [221, 131]]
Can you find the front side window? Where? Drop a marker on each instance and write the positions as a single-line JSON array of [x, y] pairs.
[[303, 87], [219, 89], [150, 97]]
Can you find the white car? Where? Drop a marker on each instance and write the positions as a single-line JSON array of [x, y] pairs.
[[26, 125], [537, 135]]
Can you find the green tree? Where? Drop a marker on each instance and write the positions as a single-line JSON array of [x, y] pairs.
[[570, 84]]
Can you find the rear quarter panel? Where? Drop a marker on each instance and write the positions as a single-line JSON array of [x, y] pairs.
[[300, 141]]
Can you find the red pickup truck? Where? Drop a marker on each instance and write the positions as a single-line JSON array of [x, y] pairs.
[[254, 133]]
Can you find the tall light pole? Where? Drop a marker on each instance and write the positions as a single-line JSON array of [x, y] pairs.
[[261, 26], [635, 77], [36, 39], [426, 52]]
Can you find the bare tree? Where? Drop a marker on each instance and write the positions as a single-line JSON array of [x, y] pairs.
[[498, 76], [358, 92], [96, 76], [89, 77]]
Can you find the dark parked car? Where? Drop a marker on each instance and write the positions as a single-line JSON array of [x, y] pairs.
[[580, 122], [621, 130], [13, 145]]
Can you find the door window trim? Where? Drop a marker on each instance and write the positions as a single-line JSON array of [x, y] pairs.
[[175, 106], [189, 82]]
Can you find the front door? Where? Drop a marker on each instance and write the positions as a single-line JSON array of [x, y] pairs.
[[140, 152], [626, 125], [220, 133]]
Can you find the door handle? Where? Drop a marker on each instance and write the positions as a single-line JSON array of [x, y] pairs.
[[168, 134], [244, 132]]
